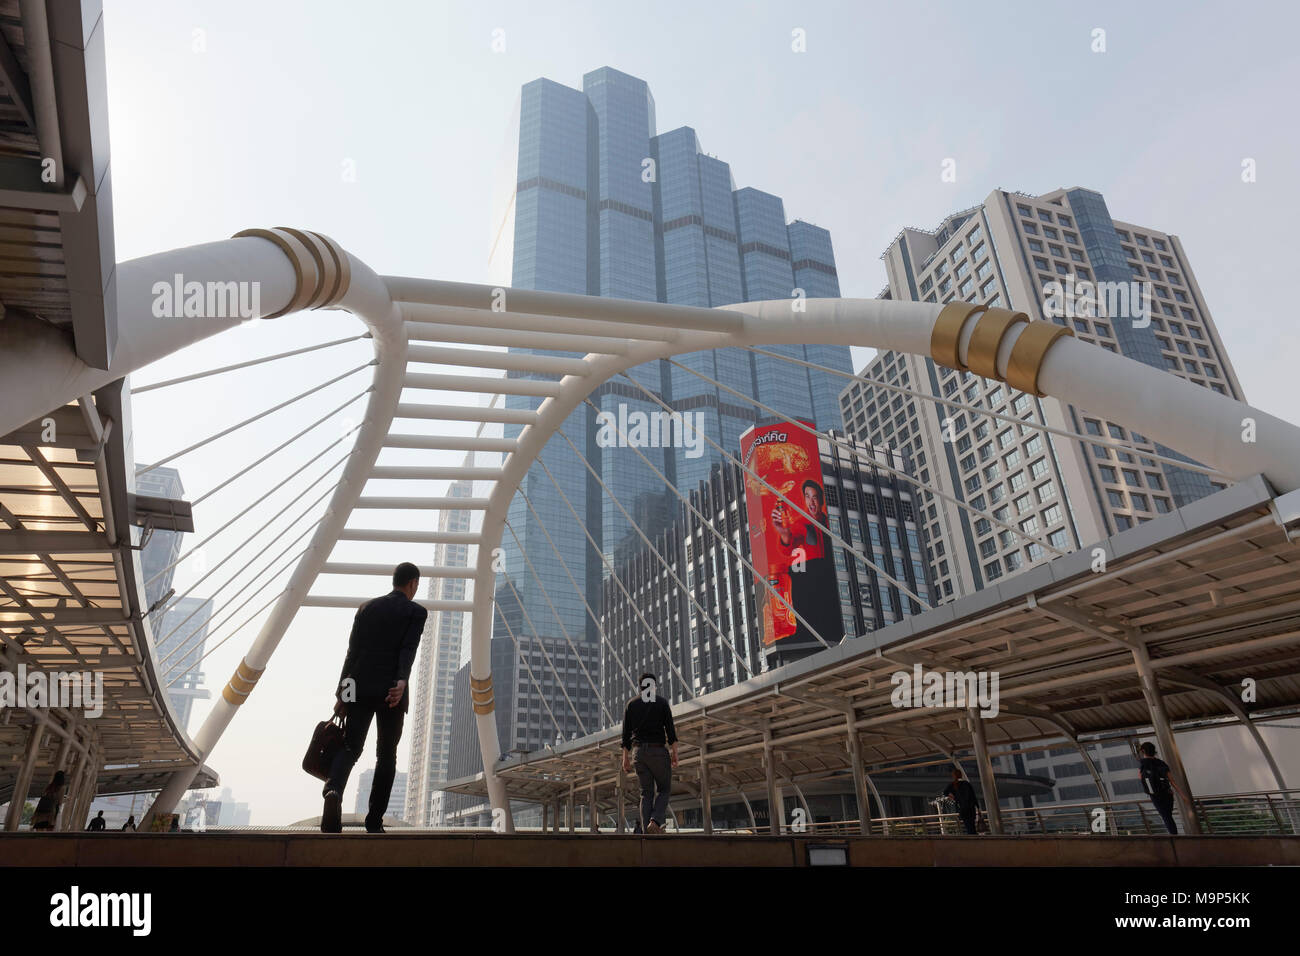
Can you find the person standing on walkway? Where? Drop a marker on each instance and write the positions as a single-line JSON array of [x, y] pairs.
[[97, 824], [648, 723], [963, 794], [372, 685], [1154, 774]]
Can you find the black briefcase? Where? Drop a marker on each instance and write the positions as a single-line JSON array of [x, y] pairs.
[[325, 743]]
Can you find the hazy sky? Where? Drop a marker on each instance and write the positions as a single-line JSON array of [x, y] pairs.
[[229, 115]]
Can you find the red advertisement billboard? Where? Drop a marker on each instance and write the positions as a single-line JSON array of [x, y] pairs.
[[786, 501]]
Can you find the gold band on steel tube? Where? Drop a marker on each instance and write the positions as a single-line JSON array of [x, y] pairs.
[[241, 684], [990, 329]]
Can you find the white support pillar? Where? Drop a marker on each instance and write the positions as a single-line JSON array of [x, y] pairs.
[[880, 802], [774, 813], [1165, 735], [23, 783], [622, 809], [90, 785], [60, 764], [68, 820], [706, 796], [987, 783], [859, 773]]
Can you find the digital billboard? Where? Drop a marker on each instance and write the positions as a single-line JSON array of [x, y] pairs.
[[786, 501]]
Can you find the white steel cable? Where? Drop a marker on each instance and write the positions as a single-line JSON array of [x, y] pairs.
[[230, 368], [595, 619], [259, 501], [635, 527], [248, 421], [616, 579], [866, 457], [320, 421], [558, 620], [269, 544], [249, 540]]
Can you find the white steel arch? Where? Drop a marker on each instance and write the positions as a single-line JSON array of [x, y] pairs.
[[300, 270]]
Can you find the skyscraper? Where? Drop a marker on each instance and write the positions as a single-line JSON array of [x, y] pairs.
[[163, 546], [1040, 255], [604, 205], [439, 660], [180, 649], [396, 800]]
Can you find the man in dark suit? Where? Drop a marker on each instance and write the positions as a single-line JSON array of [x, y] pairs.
[[385, 636]]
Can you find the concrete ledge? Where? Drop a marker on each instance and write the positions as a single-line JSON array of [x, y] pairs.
[[610, 850]]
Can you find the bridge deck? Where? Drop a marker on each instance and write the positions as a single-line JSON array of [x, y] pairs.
[[609, 850]]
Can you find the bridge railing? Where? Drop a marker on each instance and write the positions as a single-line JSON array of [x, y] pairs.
[[1263, 812]]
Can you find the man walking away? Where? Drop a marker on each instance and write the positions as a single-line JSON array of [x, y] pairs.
[[1155, 781], [963, 794], [98, 823], [648, 722], [385, 636]]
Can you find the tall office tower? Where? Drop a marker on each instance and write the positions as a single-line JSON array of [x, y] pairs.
[[715, 639], [1038, 255], [163, 546], [440, 649], [180, 651], [604, 205]]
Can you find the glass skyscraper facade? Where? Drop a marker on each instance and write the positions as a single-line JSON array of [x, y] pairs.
[[605, 205]]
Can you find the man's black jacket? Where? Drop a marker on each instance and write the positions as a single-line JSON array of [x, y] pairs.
[[385, 636]]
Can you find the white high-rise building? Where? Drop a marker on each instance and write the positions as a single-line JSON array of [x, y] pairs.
[[440, 651], [1060, 258]]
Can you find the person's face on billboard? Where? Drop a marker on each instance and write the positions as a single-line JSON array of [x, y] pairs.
[[812, 499]]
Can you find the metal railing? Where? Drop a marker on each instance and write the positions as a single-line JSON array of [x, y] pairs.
[[1261, 812]]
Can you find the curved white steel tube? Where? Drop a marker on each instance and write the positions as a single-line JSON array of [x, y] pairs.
[[367, 298], [1164, 407], [43, 374]]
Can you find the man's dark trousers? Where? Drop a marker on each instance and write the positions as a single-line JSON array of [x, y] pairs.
[[1165, 807], [388, 725], [654, 771], [968, 820]]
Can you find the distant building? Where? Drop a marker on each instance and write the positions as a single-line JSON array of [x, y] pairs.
[[162, 547], [396, 800], [180, 649], [1037, 255], [605, 204]]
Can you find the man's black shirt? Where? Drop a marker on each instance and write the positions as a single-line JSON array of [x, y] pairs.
[[963, 794], [381, 649], [648, 723], [1155, 777]]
